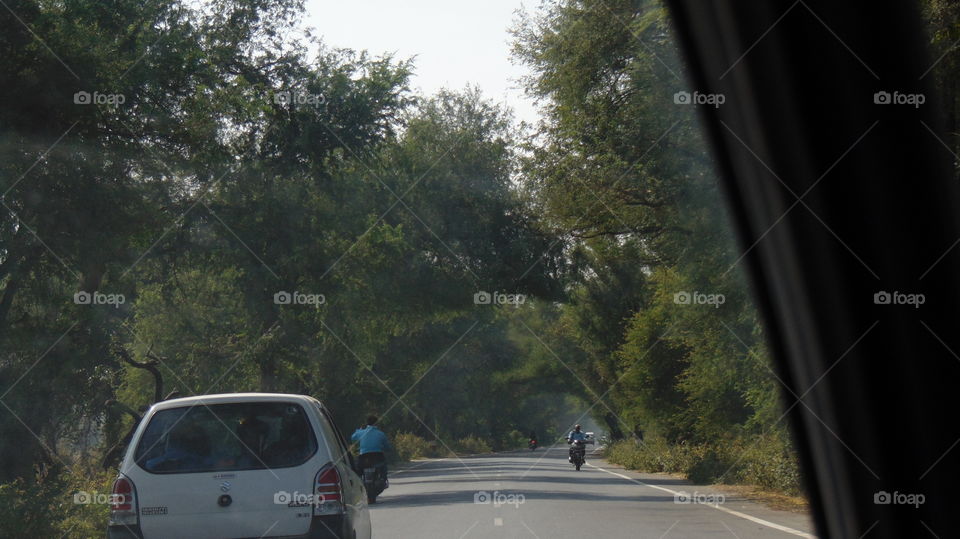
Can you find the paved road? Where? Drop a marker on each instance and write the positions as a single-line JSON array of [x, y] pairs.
[[538, 494]]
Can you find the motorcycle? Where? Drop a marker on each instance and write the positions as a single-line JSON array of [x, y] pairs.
[[578, 453], [374, 476], [532, 444]]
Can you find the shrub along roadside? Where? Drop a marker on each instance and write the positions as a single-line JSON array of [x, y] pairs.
[[408, 446], [56, 503], [763, 461]]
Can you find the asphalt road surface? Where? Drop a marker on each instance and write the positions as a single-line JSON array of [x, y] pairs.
[[539, 495]]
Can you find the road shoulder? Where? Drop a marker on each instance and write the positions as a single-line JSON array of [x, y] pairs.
[[725, 500]]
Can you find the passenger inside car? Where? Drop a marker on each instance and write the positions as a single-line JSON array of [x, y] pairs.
[[291, 446], [252, 434], [188, 447]]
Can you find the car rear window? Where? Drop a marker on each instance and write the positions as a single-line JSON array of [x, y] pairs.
[[223, 437]]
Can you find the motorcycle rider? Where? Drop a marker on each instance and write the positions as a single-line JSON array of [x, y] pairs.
[[575, 435], [373, 446]]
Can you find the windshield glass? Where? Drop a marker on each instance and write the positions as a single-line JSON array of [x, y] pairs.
[[471, 226], [224, 437]]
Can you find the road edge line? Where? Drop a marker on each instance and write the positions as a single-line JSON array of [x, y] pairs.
[[785, 529]]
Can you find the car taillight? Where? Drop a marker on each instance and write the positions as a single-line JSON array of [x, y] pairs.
[[328, 491], [123, 503]]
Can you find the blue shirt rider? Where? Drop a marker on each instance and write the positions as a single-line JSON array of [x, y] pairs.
[[575, 435], [371, 438], [373, 446]]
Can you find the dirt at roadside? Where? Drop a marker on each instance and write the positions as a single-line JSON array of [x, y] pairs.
[[773, 500]]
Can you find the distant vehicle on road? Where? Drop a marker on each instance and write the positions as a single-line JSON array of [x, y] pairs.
[[238, 465], [590, 439], [578, 453]]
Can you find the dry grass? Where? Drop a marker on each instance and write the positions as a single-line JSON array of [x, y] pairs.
[[769, 498]]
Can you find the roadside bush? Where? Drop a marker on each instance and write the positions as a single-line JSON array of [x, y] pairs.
[[47, 504], [471, 445], [654, 455], [769, 462], [763, 461], [515, 440], [408, 446]]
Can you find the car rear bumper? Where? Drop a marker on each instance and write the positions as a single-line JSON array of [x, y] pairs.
[[329, 527], [325, 527]]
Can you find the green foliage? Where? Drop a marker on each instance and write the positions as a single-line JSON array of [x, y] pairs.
[[408, 446], [767, 461], [202, 195], [55, 503], [620, 169], [472, 445]]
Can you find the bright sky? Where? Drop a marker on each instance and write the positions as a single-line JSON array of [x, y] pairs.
[[455, 42]]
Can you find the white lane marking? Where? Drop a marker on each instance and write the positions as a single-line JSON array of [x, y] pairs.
[[668, 529], [470, 529], [715, 506], [528, 528]]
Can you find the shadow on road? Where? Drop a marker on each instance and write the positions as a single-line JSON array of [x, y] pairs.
[[583, 477], [458, 497]]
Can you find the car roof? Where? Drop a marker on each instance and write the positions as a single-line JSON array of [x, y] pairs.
[[225, 398]]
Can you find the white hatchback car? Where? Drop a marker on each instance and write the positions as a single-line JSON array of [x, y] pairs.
[[238, 465]]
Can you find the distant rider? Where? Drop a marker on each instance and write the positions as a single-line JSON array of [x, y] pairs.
[[575, 435], [373, 445]]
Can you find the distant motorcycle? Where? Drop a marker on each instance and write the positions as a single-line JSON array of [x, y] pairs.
[[532, 444], [578, 453]]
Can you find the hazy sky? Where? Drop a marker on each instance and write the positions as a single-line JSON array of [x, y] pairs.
[[454, 42]]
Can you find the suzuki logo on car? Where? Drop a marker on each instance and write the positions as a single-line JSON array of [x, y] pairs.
[[225, 486]]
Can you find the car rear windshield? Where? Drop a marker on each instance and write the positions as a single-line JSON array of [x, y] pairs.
[[223, 437]]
